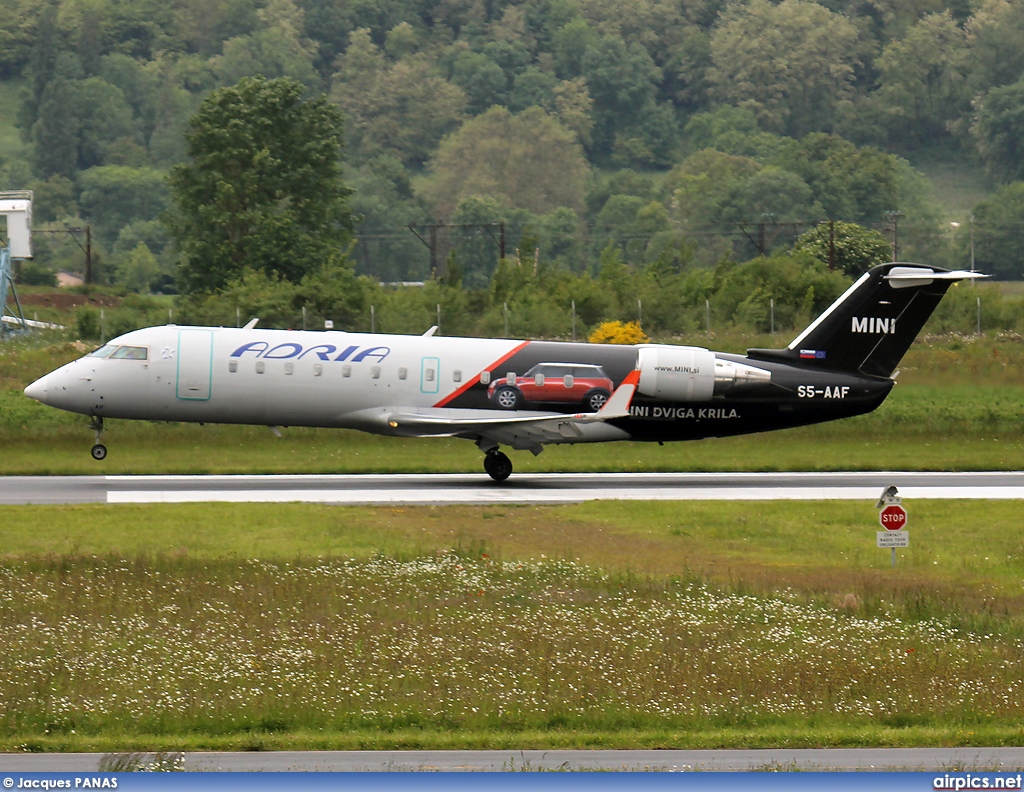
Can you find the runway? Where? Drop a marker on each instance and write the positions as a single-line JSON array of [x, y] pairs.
[[538, 488], [807, 759]]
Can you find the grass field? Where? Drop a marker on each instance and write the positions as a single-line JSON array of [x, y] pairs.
[[616, 625]]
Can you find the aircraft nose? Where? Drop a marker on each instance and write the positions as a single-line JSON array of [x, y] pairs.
[[37, 390]]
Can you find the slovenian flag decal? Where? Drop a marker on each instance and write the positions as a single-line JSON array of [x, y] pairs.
[[812, 354]]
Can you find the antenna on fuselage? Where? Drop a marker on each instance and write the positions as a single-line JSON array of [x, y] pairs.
[[251, 323]]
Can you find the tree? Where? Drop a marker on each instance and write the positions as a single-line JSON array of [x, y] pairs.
[[850, 183], [853, 249], [623, 81], [113, 195], [704, 189], [277, 49], [527, 161], [999, 234], [482, 79], [402, 109], [995, 35], [791, 64], [137, 271], [924, 80], [999, 130], [262, 188]]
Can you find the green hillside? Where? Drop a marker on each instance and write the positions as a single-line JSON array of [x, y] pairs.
[[680, 135]]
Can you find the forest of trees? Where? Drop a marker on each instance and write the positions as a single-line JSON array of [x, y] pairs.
[[675, 134]]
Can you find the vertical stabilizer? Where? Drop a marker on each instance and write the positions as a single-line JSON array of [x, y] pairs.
[[871, 326]]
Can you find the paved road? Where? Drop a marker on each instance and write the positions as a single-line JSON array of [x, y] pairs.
[[524, 488], [927, 759]]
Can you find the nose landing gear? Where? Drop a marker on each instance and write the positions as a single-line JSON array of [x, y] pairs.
[[497, 465], [99, 451]]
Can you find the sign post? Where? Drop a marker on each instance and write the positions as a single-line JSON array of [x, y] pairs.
[[893, 518]]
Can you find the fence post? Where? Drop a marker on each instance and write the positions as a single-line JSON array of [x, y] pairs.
[[979, 316], [373, 319], [504, 308], [439, 318], [303, 317], [773, 315], [103, 326], [573, 320], [707, 315]]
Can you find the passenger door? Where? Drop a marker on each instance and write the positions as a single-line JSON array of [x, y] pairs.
[[195, 365]]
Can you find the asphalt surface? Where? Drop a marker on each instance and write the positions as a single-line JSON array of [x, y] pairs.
[[927, 759], [523, 488]]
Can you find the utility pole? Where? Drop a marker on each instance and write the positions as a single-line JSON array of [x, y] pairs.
[[972, 244], [88, 254], [894, 217], [431, 241], [831, 244], [87, 250]]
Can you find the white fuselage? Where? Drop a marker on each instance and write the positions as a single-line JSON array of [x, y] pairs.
[[276, 377]]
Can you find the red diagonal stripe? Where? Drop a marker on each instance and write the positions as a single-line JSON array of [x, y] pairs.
[[476, 379]]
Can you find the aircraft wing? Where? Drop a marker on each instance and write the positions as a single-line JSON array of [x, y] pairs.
[[519, 429]]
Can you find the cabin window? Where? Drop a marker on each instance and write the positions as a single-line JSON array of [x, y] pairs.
[[289, 367], [457, 375], [567, 379], [403, 372], [485, 378], [428, 375], [510, 378], [232, 366], [375, 372], [346, 370], [103, 351], [130, 353], [538, 380], [260, 366], [318, 369]]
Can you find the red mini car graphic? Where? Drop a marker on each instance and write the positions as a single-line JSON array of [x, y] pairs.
[[575, 383]]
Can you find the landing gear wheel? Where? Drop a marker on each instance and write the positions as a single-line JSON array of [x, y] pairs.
[[497, 465], [99, 451]]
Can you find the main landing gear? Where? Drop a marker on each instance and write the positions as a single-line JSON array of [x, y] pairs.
[[99, 451], [497, 465]]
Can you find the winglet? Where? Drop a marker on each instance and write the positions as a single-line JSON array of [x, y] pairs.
[[618, 405]]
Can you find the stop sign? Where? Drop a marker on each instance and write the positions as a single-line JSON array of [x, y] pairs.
[[893, 517]]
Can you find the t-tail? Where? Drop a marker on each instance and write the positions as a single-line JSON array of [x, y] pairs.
[[870, 327]]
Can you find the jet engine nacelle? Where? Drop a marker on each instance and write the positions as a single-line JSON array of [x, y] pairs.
[[679, 373]]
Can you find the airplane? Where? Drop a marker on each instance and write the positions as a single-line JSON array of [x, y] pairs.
[[500, 392]]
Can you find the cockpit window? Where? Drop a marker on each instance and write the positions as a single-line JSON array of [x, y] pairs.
[[103, 351], [130, 353]]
